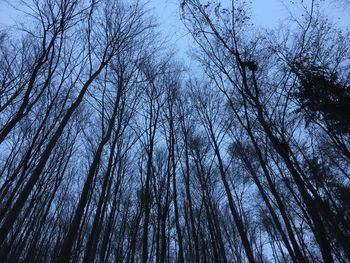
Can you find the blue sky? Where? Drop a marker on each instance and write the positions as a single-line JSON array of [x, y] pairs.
[[265, 13]]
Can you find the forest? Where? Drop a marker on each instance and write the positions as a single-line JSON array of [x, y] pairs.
[[114, 150]]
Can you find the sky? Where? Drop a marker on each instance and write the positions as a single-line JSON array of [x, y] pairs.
[[265, 13]]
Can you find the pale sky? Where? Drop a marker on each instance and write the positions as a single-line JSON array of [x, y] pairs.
[[265, 13]]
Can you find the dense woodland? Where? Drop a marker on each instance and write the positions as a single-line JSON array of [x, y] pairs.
[[113, 150]]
